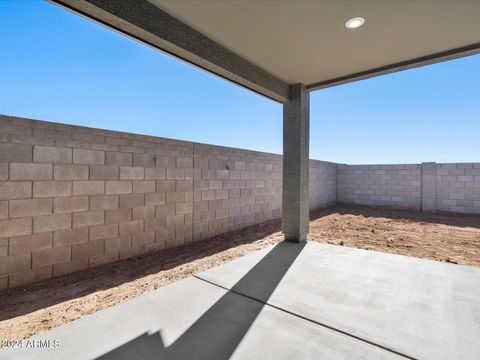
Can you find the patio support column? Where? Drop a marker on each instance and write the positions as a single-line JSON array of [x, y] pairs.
[[296, 133]]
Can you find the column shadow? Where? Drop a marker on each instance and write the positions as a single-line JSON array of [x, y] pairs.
[[218, 332]]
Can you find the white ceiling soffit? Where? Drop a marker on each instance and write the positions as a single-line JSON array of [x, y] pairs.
[[307, 41]]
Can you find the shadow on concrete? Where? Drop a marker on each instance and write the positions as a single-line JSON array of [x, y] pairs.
[[20, 301], [218, 332], [450, 219]]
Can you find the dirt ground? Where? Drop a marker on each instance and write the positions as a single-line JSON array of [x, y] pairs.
[[29, 311]]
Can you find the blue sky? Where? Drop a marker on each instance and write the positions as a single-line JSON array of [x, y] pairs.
[[60, 67]]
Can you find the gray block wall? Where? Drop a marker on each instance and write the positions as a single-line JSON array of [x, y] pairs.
[[234, 188], [457, 187], [451, 187], [380, 185], [74, 197], [323, 183]]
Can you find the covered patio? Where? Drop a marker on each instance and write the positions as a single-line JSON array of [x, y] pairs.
[[284, 50], [290, 301], [298, 299]]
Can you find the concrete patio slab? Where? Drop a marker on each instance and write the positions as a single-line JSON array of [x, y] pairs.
[[193, 319], [420, 308], [290, 301]]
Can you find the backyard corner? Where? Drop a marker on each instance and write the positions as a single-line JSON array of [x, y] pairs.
[[449, 238], [180, 226]]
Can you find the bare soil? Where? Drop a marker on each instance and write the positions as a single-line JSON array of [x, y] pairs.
[[29, 311]]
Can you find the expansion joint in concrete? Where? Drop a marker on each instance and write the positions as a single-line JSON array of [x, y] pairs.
[[307, 319]]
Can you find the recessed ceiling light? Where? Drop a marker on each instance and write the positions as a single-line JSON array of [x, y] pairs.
[[354, 23]]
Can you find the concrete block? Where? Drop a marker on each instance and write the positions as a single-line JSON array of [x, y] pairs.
[[20, 171], [88, 187], [189, 174], [15, 227], [175, 197], [153, 199], [137, 250], [175, 220], [118, 187], [142, 238], [119, 243], [239, 165], [106, 258], [56, 255], [465, 178], [222, 174], [222, 194], [464, 165], [184, 208], [88, 218], [113, 139], [30, 277], [175, 174], [88, 249], [52, 222], [14, 264], [104, 147], [144, 160], [165, 186], [82, 156], [185, 185], [132, 149], [474, 172], [47, 154], [155, 223], [118, 215], [132, 173], [154, 247], [44, 189], [132, 200], [70, 172], [103, 232], [155, 174], [102, 172], [164, 235], [140, 186], [104, 202], [208, 195], [70, 204], [118, 159], [70, 267], [28, 243], [15, 152], [165, 210], [70, 237], [15, 190], [183, 163], [165, 161], [30, 207], [143, 212], [185, 232], [130, 227]]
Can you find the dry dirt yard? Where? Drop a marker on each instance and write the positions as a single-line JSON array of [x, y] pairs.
[[29, 311]]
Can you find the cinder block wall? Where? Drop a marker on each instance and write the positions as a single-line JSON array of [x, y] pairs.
[[451, 187], [457, 187], [380, 185], [323, 183], [74, 197], [234, 188]]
